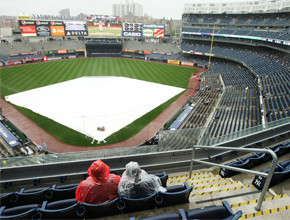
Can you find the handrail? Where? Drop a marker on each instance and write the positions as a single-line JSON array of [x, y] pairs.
[[267, 175]]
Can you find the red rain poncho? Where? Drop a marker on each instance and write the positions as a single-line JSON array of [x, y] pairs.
[[100, 186]]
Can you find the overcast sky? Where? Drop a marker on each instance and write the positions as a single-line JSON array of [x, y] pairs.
[[156, 8]]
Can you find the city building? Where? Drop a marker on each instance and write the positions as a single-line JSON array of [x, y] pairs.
[[64, 12], [129, 8]]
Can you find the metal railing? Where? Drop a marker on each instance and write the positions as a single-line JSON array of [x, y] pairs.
[[254, 150], [168, 141]]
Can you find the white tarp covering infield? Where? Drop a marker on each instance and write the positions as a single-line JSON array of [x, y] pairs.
[[86, 103]]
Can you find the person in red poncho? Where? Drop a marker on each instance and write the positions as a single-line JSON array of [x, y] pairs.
[[100, 186]]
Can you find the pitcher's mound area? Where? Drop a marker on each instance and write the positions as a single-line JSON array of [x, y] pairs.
[[95, 106]]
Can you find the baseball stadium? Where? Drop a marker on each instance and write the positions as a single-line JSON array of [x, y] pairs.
[[201, 104]]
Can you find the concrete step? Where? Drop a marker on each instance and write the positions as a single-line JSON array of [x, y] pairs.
[[273, 204], [210, 178], [282, 212], [219, 186], [210, 197], [270, 214], [185, 176], [210, 181], [255, 201]]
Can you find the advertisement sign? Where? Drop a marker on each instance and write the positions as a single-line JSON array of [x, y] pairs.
[[131, 34], [12, 62], [26, 22], [131, 51], [36, 59], [106, 29], [148, 32], [198, 53], [153, 30], [57, 31], [61, 51], [57, 28], [42, 28], [176, 62], [183, 63], [27, 28], [75, 28], [158, 33], [154, 26], [53, 28], [24, 18]]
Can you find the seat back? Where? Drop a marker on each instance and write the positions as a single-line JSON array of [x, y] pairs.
[[137, 204], [63, 209], [174, 197], [19, 212], [101, 210]]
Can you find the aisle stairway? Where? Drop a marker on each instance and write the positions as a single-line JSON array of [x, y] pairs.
[[211, 189]]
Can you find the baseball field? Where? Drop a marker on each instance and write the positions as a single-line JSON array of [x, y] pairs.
[[28, 77]]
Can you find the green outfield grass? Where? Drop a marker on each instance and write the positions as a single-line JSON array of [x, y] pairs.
[[21, 78]]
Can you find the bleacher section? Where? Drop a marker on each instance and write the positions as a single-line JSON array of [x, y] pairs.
[[276, 90], [273, 26], [208, 94], [239, 106], [260, 20], [156, 51], [26, 47]]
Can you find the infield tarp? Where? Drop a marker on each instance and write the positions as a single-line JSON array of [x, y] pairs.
[[88, 103]]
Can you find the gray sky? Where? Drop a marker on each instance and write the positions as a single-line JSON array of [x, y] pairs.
[[156, 8]]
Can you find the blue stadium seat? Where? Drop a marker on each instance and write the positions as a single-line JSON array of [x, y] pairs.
[[20, 212], [281, 173], [64, 209], [100, 210], [173, 196]]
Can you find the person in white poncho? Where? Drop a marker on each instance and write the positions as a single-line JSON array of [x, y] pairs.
[[137, 183]]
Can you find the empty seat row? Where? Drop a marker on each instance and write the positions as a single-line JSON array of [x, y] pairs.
[[254, 159], [209, 212]]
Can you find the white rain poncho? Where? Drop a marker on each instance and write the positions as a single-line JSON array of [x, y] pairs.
[[137, 183]]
